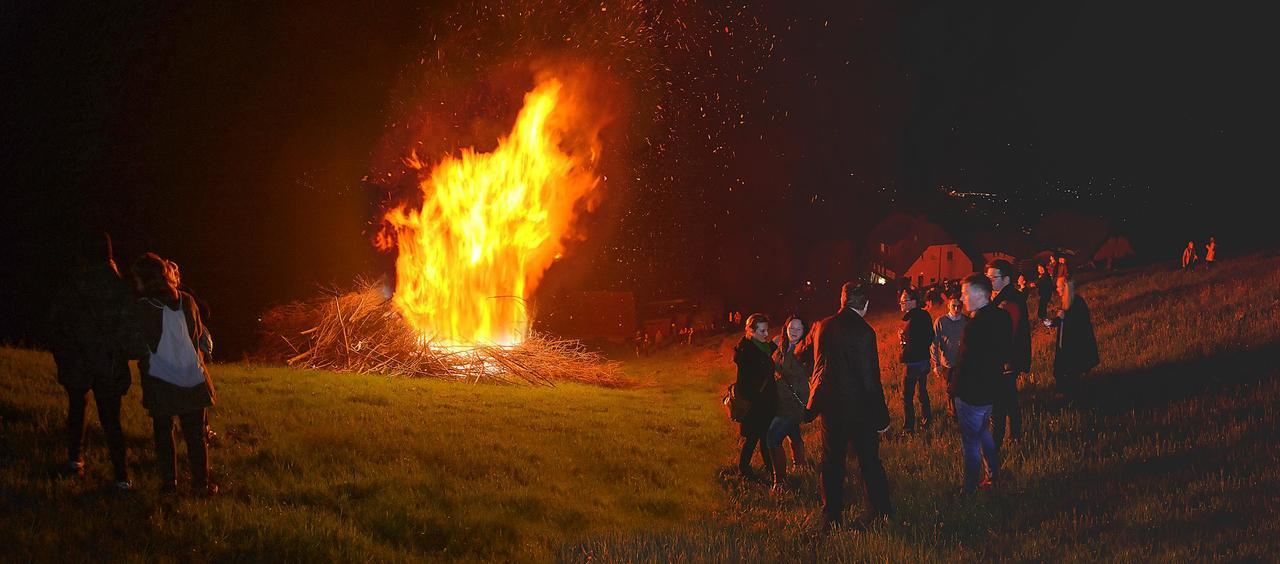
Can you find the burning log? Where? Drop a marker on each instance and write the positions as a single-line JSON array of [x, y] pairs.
[[360, 331]]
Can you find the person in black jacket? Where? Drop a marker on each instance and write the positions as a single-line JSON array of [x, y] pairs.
[[1076, 348], [88, 321], [916, 336], [1045, 286], [975, 382], [1014, 302], [847, 394], [754, 357]]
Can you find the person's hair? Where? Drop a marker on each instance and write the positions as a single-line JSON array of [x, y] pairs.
[[786, 339], [753, 319], [154, 276], [1004, 266], [1041, 267], [910, 294], [980, 281], [951, 296], [854, 295], [1069, 281], [94, 246]]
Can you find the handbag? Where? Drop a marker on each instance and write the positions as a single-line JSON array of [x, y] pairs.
[[736, 405]]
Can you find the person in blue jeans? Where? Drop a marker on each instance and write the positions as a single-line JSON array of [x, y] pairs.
[[916, 337], [793, 373], [984, 349]]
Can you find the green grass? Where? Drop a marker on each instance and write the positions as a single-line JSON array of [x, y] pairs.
[[1172, 457]]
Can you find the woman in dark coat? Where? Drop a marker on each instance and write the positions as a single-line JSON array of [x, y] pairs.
[[792, 386], [755, 383], [1076, 348], [175, 382]]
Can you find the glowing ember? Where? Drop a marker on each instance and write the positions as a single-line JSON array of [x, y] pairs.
[[491, 224]]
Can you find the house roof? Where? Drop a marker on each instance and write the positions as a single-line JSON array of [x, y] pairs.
[[907, 237]]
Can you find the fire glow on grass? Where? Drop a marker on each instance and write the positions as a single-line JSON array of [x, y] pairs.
[[492, 223]]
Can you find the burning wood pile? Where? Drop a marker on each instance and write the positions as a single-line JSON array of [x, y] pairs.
[[360, 331]]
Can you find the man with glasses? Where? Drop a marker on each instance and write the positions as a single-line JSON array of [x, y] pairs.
[[1013, 301], [916, 337]]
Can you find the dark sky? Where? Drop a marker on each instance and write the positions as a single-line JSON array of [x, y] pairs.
[[753, 140]]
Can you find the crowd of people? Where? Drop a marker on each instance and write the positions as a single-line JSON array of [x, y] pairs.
[[980, 347], [97, 323]]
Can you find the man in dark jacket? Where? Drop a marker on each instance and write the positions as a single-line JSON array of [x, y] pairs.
[[1045, 288], [1076, 348], [916, 336], [1013, 302], [89, 322], [754, 357], [975, 383], [847, 394]]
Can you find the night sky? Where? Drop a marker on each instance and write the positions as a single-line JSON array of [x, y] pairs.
[[256, 145]]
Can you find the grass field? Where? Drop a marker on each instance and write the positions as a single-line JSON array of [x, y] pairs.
[[1172, 456]]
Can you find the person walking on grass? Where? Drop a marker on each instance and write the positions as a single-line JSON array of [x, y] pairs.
[[754, 357], [916, 336], [1075, 350], [976, 379], [175, 382], [847, 394], [793, 373], [1210, 253], [1189, 256], [88, 324], [1014, 302], [1045, 288], [947, 331]]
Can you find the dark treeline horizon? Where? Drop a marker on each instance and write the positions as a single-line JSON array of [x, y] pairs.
[[233, 139]]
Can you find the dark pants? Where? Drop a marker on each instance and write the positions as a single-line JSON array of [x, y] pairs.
[[1042, 309], [193, 431], [109, 415], [1006, 406], [749, 448], [916, 376], [838, 432]]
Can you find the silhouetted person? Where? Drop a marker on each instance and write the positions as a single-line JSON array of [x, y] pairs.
[[976, 379], [847, 394], [175, 382], [1014, 302], [793, 373], [755, 383], [1189, 256], [1045, 287], [1075, 349], [1210, 253], [916, 336], [89, 323]]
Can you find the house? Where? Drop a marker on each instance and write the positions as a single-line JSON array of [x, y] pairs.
[[914, 251]]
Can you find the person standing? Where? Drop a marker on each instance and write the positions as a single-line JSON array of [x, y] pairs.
[[916, 336], [754, 357], [847, 394], [1014, 302], [1045, 288], [793, 397], [89, 325], [947, 331], [975, 384], [175, 381], [1076, 348], [1210, 253], [1188, 256]]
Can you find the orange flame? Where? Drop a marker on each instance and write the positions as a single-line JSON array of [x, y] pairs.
[[491, 224]]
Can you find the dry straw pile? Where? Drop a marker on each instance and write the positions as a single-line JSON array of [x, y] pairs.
[[360, 331]]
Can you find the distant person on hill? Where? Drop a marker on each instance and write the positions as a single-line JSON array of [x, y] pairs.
[[1053, 266], [916, 336], [89, 324], [793, 373], [1045, 288], [1210, 253], [175, 382], [977, 377], [1189, 256], [1062, 266], [754, 357], [848, 395], [1014, 302], [1023, 284], [947, 330], [1075, 349]]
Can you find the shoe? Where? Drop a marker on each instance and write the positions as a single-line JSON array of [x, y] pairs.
[[209, 490], [123, 486], [72, 469]]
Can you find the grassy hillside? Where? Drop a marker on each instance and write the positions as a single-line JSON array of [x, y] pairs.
[[1172, 456]]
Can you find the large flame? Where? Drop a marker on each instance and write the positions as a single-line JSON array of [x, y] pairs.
[[491, 224]]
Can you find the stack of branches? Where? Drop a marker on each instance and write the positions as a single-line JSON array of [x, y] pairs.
[[360, 331]]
